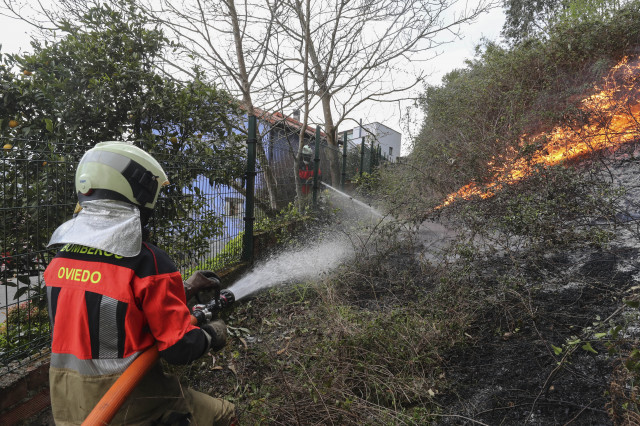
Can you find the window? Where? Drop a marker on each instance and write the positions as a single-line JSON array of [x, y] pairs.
[[390, 151], [234, 206]]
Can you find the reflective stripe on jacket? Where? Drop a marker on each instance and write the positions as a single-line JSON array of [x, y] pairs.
[[107, 309]]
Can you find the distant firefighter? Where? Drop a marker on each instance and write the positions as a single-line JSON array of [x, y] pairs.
[[306, 171]]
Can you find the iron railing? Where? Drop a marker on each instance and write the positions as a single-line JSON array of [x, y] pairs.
[[198, 220], [195, 220]]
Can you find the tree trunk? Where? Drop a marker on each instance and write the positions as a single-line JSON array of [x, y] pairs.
[[269, 177], [330, 133]]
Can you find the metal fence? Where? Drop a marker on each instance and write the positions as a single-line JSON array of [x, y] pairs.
[[279, 144], [198, 221], [362, 157]]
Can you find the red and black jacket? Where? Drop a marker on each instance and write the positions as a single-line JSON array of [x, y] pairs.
[[108, 307], [305, 171]]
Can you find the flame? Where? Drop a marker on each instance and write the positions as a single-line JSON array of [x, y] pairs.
[[614, 119]]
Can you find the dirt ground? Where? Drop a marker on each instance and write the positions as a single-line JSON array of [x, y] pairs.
[[509, 377], [507, 372]]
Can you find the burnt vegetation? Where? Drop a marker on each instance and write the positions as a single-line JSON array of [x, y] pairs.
[[527, 315]]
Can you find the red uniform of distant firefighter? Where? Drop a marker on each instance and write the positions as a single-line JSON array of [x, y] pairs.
[[305, 171], [112, 296]]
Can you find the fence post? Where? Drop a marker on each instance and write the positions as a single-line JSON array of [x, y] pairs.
[[250, 175], [344, 160], [372, 154], [361, 148], [316, 168]]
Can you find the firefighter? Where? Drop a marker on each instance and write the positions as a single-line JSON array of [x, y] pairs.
[[112, 295], [305, 172]]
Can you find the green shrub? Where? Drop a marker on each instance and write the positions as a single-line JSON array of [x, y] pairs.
[[552, 207], [367, 183], [477, 118], [24, 322], [228, 256]]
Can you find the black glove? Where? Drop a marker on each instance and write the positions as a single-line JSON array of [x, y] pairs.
[[199, 281], [216, 334]]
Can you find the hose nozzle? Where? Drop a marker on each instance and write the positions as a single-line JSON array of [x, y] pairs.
[[205, 312], [226, 298]]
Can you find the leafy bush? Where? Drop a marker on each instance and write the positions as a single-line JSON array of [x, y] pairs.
[[555, 206], [281, 223], [99, 81], [368, 183], [482, 112], [24, 322], [583, 37], [228, 256]]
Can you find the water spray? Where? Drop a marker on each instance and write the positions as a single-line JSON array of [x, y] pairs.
[[297, 264], [306, 263], [354, 200]]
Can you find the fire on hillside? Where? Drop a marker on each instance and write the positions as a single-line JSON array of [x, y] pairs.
[[612, 119]]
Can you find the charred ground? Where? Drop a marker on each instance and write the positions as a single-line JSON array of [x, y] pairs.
[[488, 330], [510, 373]]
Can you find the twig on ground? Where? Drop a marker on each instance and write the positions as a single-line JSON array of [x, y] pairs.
[[560, 365]]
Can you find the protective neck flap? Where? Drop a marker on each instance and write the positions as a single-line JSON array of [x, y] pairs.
[[108, 225]]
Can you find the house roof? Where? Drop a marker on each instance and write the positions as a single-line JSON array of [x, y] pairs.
[[373, 124], [278, 118]]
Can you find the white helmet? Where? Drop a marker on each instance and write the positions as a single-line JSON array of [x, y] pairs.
[[306, 154], [120, 171]]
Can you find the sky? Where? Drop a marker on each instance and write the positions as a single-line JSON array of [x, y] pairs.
[[453, 56], [14, 38]]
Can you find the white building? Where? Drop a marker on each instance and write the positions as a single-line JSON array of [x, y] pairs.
[[388, 139]]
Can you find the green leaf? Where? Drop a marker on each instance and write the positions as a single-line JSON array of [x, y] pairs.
[[600, 335], [587, 347], [21, 291], [632, 303], [556, 350], [49, 124], [24, 279], [615, 331]]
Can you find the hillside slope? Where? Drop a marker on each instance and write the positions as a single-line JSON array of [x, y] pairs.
[[552, 338]]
